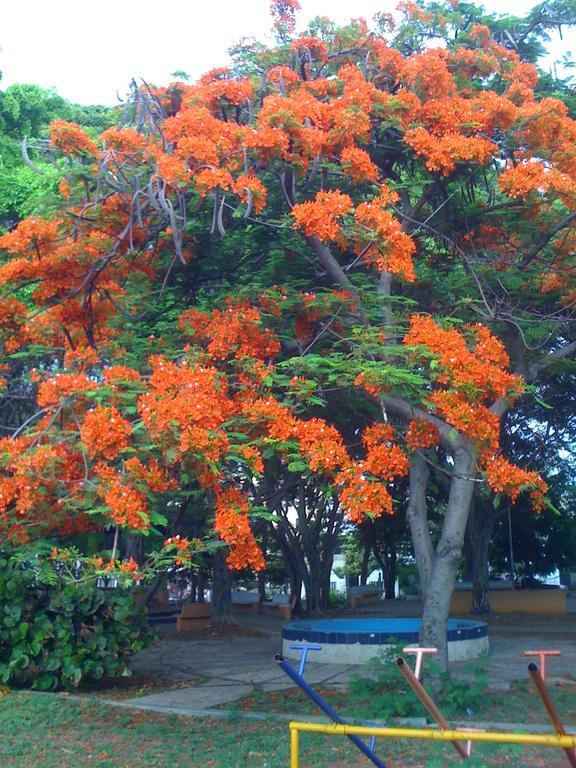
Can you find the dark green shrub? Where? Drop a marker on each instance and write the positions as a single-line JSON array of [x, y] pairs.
[[57, 632], [384, 693]]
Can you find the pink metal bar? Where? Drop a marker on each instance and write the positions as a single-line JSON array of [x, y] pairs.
[[469, 744], [419, 653], [540, 686], [416, 686], [543, 655]]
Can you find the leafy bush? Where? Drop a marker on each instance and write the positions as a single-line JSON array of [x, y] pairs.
[[337, 598], [384, 692], [59, 633]]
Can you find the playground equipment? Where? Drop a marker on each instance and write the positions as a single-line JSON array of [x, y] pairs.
[[560, 739]]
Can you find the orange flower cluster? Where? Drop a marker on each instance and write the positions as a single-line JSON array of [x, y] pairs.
[[117, 374], [105, 433], [358, 165], [187, 404], [70, 139], [478, 371], [13, 316], [475, 421], [173, 171], [123, 139], [321, 444], [233, 526], [32, 237], [535, 178], [27, 478], [65, 385], [362, 496], [384, 459], [393, 249], [311, 48], [507, 478], [443, 153], [362, 484], [428, 74], [153, 476], [250, 188], [127, 505], [131, 567], [318, 218], [236, 332], [211, 179], [473, 377], [180, 543], [422, 434]]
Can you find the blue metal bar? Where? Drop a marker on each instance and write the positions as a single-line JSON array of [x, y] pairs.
[[327, 709], [304, 649]]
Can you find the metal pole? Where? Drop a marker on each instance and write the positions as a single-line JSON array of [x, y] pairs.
[[540, 686], [294, 747], [432, 734], [416, 686], [327, 709]]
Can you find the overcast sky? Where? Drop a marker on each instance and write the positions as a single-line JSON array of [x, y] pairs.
[[90, 51]]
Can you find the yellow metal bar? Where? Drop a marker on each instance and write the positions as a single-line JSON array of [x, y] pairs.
[[294, 747], [504, 737]]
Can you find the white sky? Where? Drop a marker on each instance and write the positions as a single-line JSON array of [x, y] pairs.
[[90, 51]]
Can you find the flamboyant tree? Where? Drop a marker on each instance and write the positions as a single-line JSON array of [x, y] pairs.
[[387, 218]]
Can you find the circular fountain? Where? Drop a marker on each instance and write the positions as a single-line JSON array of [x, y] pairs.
[[356, 641]]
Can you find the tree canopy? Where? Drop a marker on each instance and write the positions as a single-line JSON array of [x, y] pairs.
[[348, 255]]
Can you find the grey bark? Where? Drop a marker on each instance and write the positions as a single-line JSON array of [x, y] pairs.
[[221, 612], [418, 520], [478, 536], [448, 554]]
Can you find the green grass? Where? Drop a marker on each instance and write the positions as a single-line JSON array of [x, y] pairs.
[[49, 731], [519, 705]]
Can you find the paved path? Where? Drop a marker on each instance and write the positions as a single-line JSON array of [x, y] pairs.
[[233, 668]]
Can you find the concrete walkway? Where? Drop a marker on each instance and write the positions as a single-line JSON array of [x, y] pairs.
[[233, 668]]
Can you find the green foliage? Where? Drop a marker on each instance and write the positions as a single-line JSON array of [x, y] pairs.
[[57, 633], [385, 692], [337, 598], [461, 696]]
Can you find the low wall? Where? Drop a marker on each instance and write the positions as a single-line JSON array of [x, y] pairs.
[[357, 653], [514, 601]]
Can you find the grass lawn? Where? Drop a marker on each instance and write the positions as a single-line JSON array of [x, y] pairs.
[[519, 705], [49, 731]]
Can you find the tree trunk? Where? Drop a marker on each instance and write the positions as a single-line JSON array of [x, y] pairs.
[[261, 575], [418, 520], [134, 547], [365, 562], [296, 591], [200, 585], [193, 587], [221, 597], [478, 536], [390, 572], [312, 584], [386, 557], [325, 585], [448, 554]]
